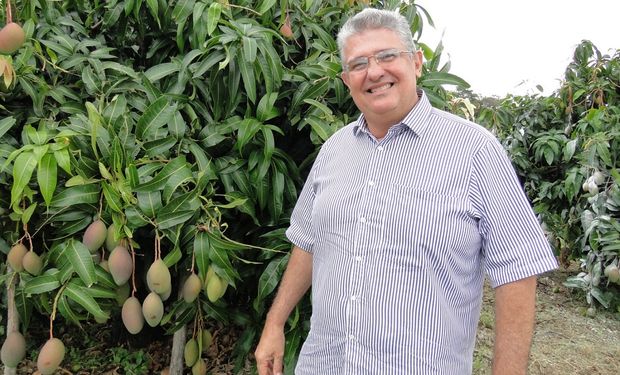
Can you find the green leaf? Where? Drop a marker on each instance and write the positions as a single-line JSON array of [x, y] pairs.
[[112, 197], [149, 202], [177, 126], [161, 179], [104, 278], [265, 109], [249, 49], [432, 79], [247, 74], [569, 149], [80, 194], [38, 137], [173, 218], [25, 163], [81, 261], [153, 6], [201, 253], [182, 10], [160, 146], [277, 195], [269, 279], [47, 177], [124, 69], [173, 257], [247, 129], [41, 284], [215, 11], [81, 296], [184, 202], [603, 298], [160, 71], [66, 310], [95, 123], [63, 160], [156, 116], [265, 5], [6, 124], [116, 108], [28, 213]]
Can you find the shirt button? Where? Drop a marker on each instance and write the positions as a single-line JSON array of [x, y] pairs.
[[371, 183], [351, 337], [362, 219], [379, 148], [353, 298], [358, 258]]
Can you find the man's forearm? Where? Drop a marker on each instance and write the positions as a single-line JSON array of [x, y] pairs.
[[295, 283], [515, 309]]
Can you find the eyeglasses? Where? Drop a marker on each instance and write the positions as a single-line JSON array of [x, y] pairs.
[[360, 64]]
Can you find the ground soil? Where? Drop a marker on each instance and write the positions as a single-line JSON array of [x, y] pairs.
[[566, 341]]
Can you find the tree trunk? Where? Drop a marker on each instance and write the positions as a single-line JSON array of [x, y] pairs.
[[178, 346], [12, 321]]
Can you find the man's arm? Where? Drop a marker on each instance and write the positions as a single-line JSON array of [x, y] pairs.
[[515, 308], [295, 283]]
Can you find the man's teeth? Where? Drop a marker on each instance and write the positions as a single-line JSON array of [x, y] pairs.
[[381, 88]]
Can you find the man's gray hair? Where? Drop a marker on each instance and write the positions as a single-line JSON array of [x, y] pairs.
[[372, 19]]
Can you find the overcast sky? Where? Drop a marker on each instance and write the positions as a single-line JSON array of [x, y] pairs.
[[503, 47]]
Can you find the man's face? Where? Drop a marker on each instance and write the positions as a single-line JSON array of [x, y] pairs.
[[384, 92]]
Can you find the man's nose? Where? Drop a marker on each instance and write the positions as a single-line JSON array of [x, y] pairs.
[[374, 67]]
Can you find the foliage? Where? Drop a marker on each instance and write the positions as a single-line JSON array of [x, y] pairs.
[[566, 150], [189, 126]]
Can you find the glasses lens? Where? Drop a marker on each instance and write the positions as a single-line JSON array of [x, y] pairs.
[[358, 64], [387, 56]]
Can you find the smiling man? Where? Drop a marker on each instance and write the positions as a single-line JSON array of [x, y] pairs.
[[404, 213]]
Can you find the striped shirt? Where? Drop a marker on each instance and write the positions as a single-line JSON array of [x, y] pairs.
[[402, 231]]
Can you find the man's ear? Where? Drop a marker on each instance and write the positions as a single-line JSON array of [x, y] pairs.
[[418, 59]]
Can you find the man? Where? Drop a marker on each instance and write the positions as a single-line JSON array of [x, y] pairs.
[[402, 214]]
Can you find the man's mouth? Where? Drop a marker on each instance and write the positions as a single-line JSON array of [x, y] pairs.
[[380, 88]]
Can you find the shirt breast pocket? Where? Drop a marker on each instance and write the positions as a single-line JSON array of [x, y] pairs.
[[417, 222]]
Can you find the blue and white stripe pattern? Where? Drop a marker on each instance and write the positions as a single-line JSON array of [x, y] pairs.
[[402, 232]]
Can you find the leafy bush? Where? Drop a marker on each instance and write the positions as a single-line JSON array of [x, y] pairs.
[[566, 149], [186, 127]]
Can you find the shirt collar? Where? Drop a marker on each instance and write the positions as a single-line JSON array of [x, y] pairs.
[[415, 119]]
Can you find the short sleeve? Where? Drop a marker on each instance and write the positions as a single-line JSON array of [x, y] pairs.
[[513, 243], [300, 232]]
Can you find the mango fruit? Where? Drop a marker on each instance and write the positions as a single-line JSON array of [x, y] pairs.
[[131, 314], [207, 339], [153, 309], [200, 367], [95, 235], [286, 30], [13, 349], [191, 288], [158, 277], [120, 265], [32, 263], [190, 352], [51, 355], [110, 241], [12, 37], [165, 294], [216, 288], [16, 256]]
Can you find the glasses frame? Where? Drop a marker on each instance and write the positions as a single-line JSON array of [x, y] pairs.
[[381, 58]]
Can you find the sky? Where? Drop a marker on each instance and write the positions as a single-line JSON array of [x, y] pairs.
[[503, 47]]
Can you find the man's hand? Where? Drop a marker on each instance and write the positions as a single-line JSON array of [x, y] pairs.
[[270, 351], [295, 283]]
